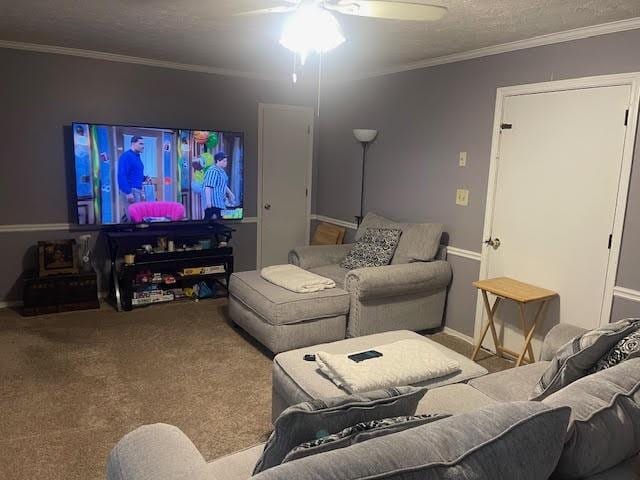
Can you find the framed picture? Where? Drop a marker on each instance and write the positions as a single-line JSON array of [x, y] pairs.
[[56, 257]]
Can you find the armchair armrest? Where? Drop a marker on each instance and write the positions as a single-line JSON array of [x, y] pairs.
[[158, 452], [318, 255], [403, 279], [557, 337]]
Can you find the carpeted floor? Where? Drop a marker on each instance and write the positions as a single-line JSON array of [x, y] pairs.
[[72, 384]]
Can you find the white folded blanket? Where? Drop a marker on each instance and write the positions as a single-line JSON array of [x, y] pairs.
[[405, 362], [296, 279]]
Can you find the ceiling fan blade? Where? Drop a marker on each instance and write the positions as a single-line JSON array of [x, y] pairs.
[[390, 10], [265, 11]]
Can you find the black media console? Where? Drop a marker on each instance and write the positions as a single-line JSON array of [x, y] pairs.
[[199, 256]]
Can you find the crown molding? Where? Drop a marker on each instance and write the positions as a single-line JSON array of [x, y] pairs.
[[548, 39], [149, 62], [539, 41]]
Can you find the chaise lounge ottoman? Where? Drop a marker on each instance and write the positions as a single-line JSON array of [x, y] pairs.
[[283, 320], [296, 380]]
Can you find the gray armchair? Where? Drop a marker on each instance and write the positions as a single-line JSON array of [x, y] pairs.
[[409, 294]]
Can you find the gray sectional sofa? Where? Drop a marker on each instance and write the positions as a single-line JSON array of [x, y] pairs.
[[592, 425]]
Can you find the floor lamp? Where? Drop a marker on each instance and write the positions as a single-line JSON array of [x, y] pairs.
[[365, 137]]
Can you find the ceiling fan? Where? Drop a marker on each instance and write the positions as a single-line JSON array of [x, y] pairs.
[[312, 27], [419, 11]]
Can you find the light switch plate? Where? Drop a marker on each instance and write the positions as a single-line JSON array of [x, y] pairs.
[[463, 159], [462, 197]]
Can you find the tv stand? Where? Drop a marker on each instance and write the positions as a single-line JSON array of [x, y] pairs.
[[125, 278]]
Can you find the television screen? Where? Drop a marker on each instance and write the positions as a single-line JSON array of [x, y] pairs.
[[144, 175]]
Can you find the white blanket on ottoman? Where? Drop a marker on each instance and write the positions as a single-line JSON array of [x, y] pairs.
[[296, 279], [405, 362]]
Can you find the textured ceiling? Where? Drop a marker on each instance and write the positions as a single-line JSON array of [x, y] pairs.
[[200, 31]]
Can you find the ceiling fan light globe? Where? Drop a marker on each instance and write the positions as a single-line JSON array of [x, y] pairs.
[[311, 29]]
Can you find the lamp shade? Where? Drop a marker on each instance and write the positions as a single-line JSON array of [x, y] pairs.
[[365, 135]]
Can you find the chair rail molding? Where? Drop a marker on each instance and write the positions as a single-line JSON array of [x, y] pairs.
[[455, 251], [460, 252], [53, 227], [335, 221], [626, 293]]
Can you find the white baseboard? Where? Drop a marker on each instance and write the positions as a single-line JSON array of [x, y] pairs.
[[18, 303], [11, 304], [455, 333]]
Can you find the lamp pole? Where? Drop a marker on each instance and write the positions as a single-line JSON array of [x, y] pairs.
[[364, 160]]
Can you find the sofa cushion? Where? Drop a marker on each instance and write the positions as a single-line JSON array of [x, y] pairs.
[[628, 347], [334, 272], [418, 242], [453, 399], [577, 357], [360, 432], [604, 429], [304, 380], [279, 306], [510, 385], [236, 466], [627, 470], [320, 417], [520, 440]]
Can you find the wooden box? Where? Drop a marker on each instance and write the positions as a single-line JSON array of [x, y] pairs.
[[60, 293]]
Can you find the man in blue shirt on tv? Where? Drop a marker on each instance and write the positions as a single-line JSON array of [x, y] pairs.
[[216, 188], [131, 176]]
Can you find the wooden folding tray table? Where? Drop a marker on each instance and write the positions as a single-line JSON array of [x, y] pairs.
[[521, 293]]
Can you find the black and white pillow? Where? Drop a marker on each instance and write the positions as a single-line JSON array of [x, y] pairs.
[[374, 249], [578, 357], [360, 432], [317, 418], [628, 347]]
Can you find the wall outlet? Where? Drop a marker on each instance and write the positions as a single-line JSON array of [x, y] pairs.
[[462, 197], [463, 159]]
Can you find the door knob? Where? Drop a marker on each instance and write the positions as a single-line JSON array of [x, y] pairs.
[[493, 242], [267, 206]]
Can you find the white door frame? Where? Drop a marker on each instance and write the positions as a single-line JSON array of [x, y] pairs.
[[261, 107], [631, 79]]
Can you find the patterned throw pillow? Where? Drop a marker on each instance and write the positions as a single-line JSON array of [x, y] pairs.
[[317, 418], [374, 249], [626, 348], [577, 358], [360, 432]]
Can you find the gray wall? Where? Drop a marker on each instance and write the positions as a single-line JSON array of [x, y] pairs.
[[40, 94], [425, 118]]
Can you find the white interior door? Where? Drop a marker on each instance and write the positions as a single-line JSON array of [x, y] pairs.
[[558, 174], [286, 149]]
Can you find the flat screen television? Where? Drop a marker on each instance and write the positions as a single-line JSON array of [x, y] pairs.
[[133, 175]]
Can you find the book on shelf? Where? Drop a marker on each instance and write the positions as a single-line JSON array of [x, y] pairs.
[[208, 270]]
